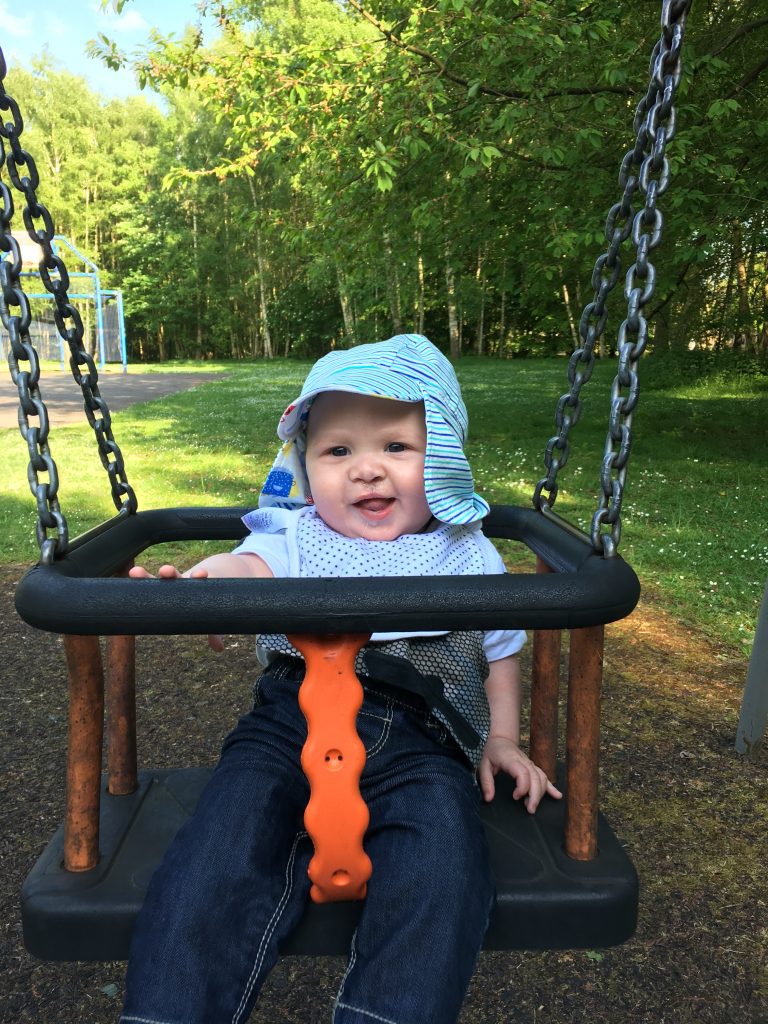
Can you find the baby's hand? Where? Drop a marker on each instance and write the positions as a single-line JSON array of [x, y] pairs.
[[503, 754], [170, 572], [167, 572]]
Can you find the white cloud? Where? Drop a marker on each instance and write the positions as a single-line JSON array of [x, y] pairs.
[[13, 25], [56, 28], [129, 21]]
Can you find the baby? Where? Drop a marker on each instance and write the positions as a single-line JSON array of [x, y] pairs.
[[371, 481]]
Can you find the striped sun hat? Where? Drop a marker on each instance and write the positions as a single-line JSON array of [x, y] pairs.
[[407, 368]]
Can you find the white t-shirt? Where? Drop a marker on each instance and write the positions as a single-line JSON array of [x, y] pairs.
[[298, 543]]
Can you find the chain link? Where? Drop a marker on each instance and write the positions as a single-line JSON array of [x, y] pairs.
[[645, 167], [16, 318]]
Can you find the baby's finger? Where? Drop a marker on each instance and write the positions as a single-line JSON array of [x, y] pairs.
[[538, 788], [485, 778], [168, 572], [523, 783], [138, 572]]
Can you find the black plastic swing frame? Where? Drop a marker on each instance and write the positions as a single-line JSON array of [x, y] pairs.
[[546, 899], [76, 594]]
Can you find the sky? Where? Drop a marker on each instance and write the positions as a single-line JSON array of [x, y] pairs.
[[28, 27]]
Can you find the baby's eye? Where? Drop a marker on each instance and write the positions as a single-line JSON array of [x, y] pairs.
[[396, 446], [339, 450]]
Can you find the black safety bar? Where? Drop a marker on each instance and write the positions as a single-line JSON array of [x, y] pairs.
[[77, 594]]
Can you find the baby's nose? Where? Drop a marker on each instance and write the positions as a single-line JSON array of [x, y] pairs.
[[367, 467]]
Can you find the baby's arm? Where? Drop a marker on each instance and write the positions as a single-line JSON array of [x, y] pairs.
[[223, 566], [502, 751]]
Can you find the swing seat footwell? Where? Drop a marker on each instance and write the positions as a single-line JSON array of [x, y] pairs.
[[545, 900]]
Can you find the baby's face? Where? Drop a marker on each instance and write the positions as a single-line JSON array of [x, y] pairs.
[[365, 464]]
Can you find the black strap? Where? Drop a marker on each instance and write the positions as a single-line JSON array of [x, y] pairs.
[[402, 674]]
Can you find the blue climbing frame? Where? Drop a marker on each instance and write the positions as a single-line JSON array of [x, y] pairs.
[[98, 296]]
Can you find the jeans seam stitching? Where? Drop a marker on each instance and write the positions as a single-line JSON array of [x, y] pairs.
[[365, 1013], [271, 925], [348, 971], [425, 716], [385, 733], [414, 710], [142, 1020]]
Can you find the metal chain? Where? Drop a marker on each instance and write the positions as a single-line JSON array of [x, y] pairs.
[[647, 169], [655, 122], [53, 272]]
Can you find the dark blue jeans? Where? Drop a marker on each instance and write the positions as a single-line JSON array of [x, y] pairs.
[[234, 881]]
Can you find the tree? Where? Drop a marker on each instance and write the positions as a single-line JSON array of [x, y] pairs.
[[368, 168]]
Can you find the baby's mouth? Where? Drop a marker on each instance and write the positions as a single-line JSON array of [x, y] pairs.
[[374, 504]]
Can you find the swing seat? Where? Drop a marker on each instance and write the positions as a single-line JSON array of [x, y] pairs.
[[545, 899]]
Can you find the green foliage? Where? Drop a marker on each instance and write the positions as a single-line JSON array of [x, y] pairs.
[[324, 169]]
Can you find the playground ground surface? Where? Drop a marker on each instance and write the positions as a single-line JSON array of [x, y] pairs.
[[692, 813], [64, 400]]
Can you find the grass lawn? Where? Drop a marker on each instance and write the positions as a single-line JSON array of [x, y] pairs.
[[693, 520]]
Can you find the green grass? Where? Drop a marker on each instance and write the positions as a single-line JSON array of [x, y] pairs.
[[694, 524]]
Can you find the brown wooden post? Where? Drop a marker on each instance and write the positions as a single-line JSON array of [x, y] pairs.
[[86, 734], [121, 715], [545, 686], [585, 675], [120, 666]]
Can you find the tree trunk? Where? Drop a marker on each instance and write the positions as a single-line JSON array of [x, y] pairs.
[[753, 298], [235, 342], [575, 340], [762, 346], [480, 278], [263, 311], [87, 210], [350, 327], [661, 334], [502, 324], [722, 327], [393, 286], [198, 290], [743, 338], [453, 321], [266, 336], [420, 290]]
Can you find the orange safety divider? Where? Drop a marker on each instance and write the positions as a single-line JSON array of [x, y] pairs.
[[333, 758]]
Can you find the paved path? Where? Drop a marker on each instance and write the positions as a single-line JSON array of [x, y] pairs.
[[64, 399]]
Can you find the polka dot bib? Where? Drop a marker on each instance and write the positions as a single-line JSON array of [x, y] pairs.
[[446, 551]]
